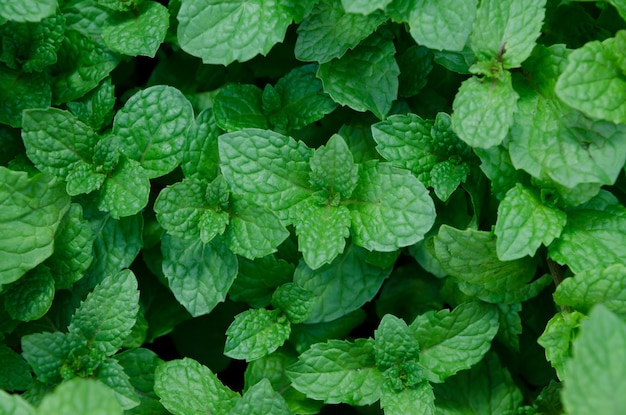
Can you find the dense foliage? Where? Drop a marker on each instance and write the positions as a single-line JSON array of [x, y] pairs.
[[309, 206]]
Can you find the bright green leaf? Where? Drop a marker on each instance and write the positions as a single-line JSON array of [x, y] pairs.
[[395, 343], [112, 374], [28, 10], [333, 168], [82, 179], [31, 296], [81, 396], [442, 25], [294, 301], [364, 6], [239, 106], [445, 178], [46, 353], [417, 400], [125, 191], [12, 404], [200, 155], [557, 338], [261, 399]]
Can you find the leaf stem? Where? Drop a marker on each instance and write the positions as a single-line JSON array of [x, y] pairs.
[[556, 271]]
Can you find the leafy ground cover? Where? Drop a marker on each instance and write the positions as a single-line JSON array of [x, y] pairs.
[[301, 207]]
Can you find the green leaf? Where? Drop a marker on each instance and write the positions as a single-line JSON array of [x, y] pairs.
[[395, 343], [338, 371], [119, 5], [15, 405], [595, 286], [140, 365], [557, 339], [455, 340], [445, 178], [55, 140], [83, 396], [595, 371], [364, 6], [126, 189], [31, 210], [333, 168], [239, 106], [328, 31], [96, 108], [16, 372], [524, 223], [483, 110], [28, 10], [21, 91], [294, 301], [486, 389], [416, 64], [198, 274], [261, 399], [497, 166], [417, 400], [598, 90], [253, 231], [152, 126], [200, 155], [186, 387], [267, 168], [31, 296], [82, 178], [112, 374], [442, 25], [257, 280], [46, 353], [256, 333], [507, 31], [137, 32], [365, 78], [390, 208], [221, 33], [304, 336], [341, 286]]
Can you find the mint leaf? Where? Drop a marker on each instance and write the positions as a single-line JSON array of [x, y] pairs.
[[507, 31], [21, 91], [598, 91], [294, 301], [199, 275], [445, 178], [83, 396], [442, 25], [31, 296], [524, 223], [221, 33], [267, 168], [239, 106], [483, 110], [417, 400], [140, 365], [200, 155], [486, 389], [261, 399], [15, 405], [96, 108], [185, 386], [557, 339], [137, 32], [152, 126], [341, 286], [333, 168], [395, 343], [365, 78], [364, 6], [31, 210], [497, 166], [16, 374], [46, 353], [454, 341], [386, 221], [598, 360], [256, 280], [305, 335], [338, 371], [328, 24], [112, 374], [256, 333], [28, 10], [125, 191], [416, 64], [106, 317]]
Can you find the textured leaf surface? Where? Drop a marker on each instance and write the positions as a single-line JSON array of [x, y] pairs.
[[338, 371], [256, 333], [333, 168], [221, 33], [595, 371], [328, 31], [417, 400], [187, 387], [442, 25], [257, 280], [152, 126], [200, 156], [455, 340], [524, 223], [21, 91], [198, 274], [390, 208], [395, 342], [365, 78], [96, 108], [239, 106], [81, 396], [46, 353], [30, 212], [112, 374], [294, 301], [31, 296], [126, 189], [261, 399], [28, 10], [364, 6], [140, 365], [557, 339]]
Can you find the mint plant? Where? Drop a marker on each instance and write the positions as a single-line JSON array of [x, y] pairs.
[[303, 207]]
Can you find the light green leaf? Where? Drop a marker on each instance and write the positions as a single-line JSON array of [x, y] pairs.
[[417, 400], [364, 6], [198, 274], [322, 230], [341, 286], [486, 389], [483, 110], [365, 78], [81, 396], [595, 372], [557, 339], [96, 108], [112, 374], [21, 91], [507, 30], [445, 178], [267, 168], [524, 223], [137, 32], [390, 208], [31, 210], [221, 33], [333, 168], [28, 10], [12, 404], [261, 399], [82, 178], [328, 31], [294, 301], [256, 333], [16, 372], [442, 25], [455, 340], [338, 371], [200, 156], [395, 343], [126, 189], [239, 106], [253, 231], [598, 90], [46, 353], [152, 126], [56, 139], [31, 296], [186, 387]]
